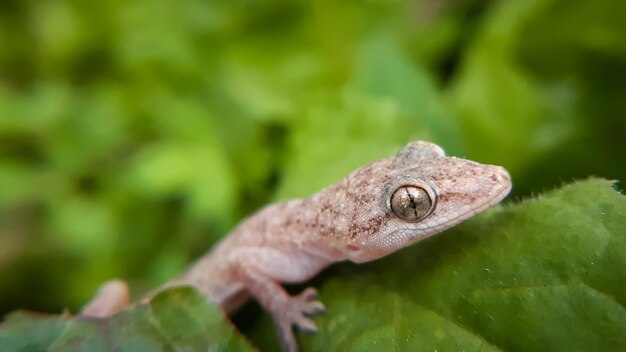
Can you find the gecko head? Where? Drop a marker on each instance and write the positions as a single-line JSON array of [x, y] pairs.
[[416, 194]]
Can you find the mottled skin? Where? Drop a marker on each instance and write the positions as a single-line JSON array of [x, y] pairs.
[[354, 219]]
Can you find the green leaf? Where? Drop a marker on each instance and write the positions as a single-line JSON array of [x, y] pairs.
[[176, 320], [190, 161], [496, 102], [385, 72], [547, 274]]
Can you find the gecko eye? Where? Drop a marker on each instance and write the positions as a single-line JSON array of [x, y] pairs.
[[410, 200], [411, 203]]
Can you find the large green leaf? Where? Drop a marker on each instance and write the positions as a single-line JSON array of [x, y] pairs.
[[176, 320], [545, 275]]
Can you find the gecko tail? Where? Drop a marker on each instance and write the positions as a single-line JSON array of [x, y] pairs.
[[112, 297]]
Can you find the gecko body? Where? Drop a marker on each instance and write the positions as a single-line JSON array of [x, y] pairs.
[[374, 211]]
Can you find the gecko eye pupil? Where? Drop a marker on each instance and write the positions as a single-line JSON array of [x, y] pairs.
[[411, 203]]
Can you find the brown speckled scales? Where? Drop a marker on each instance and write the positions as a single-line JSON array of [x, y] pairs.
[[376, 210]]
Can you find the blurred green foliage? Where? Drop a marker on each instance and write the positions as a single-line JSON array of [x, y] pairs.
[[135, 134]]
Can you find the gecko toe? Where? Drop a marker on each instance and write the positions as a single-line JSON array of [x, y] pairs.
[[313, 308], [308, 294], [306, 302], [306, 325]]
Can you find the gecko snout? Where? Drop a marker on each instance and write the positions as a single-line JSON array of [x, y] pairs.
[[501, 178]]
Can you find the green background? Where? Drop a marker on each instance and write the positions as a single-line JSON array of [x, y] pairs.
[[135, 134]]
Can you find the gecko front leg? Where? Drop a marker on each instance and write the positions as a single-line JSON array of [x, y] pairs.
[[286, 310]]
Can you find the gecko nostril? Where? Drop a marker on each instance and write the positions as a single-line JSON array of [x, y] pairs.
[[500, 176]]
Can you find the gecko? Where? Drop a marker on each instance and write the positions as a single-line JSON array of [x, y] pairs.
[[376, 210]]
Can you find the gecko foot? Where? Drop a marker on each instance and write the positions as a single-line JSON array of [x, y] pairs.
[[297, 313]]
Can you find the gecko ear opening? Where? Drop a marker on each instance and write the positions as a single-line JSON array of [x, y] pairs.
[[417, 150]]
